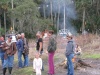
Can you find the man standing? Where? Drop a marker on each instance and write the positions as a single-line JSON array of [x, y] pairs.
[[26, 50], [1, 50], [70, 54], [10, 49]]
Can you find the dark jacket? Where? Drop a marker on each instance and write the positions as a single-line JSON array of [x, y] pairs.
[[70, 47], [52, 45], [9, 50], [25, 46]]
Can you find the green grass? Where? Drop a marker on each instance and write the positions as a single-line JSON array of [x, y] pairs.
[[93, 56], [27, 71]]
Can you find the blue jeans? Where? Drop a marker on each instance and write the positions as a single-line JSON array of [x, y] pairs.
[[8, 62], [2, 58], [70, 64], [26, 60], [20, 59]]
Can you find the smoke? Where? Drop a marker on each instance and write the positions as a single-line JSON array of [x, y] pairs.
[[58, 8]]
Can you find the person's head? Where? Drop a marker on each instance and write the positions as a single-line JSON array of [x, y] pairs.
[[69, 36], [77, 45], [9, 38], [22, 35], [37, 55], [19, 36], [51, 32], [38, 34], [1, 38]]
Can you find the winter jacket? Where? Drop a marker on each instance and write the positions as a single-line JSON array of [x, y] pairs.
[[9, 49], [25, 46], [52, 45]]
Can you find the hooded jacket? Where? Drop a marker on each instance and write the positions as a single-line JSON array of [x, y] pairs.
[[70, 47]]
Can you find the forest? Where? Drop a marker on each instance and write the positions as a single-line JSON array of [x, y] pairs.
[[30, 16]]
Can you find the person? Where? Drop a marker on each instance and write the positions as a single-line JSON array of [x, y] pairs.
[[1, 50], [70, 54], [39, 45], [37, 64], [78, 50], [10, 49], [25, 51], [20, 49], [51, 51], [39, 42], [45, 34]]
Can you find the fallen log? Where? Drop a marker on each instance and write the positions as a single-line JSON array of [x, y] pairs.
[[77, 63]]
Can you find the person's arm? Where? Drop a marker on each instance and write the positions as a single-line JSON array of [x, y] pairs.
[[79, 50], [41, 63], [21, 45], [41, 45], [14, 48], [34, 64]]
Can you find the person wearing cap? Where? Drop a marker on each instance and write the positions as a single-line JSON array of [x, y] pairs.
[[10, 49], [70, 54], [20, 49], [1, 50], [26, 50]]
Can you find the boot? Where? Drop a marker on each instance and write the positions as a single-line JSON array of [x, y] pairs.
[[10, 70], [4, 71]]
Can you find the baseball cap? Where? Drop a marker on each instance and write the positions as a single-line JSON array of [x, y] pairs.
[[10, 36]]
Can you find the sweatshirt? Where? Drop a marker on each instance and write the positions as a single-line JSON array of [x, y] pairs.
[[70, 47]]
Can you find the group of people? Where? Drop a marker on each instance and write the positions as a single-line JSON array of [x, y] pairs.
[[37, 62], [23, 50], [8, 49]]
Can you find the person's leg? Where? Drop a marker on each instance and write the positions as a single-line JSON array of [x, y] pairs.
[[68, 68], [51, 63], [2, 58], [10, 63], [42, 61], [26, 60], [4, 71], [71, 67], [20, 65], [5, 64]]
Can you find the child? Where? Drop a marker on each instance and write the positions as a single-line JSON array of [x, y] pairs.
[[37, 64]]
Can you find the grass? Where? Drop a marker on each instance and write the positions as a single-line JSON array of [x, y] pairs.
[[92, 56], [27, 71], [23, 71]]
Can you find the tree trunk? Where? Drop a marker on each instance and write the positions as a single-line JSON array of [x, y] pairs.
[[5, 22], [0, 24], [83, 25]]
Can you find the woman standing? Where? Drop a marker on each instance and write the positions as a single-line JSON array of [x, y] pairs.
[[39, 45], [51, 51]]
